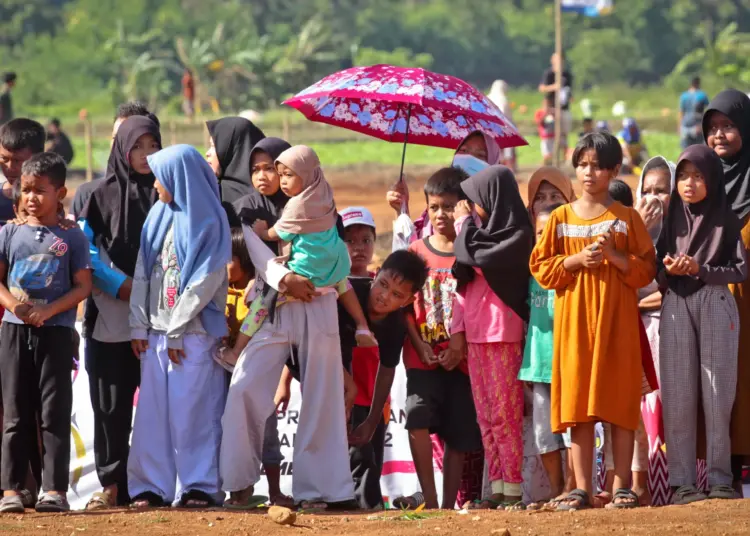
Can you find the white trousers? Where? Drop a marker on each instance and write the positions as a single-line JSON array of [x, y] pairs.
[[177, 430], [321, 454]]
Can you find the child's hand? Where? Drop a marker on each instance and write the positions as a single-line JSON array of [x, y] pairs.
[[38, 315], [176, 355], [21, 311], [675, 266], [363, 433], [397, 195], [299, 287], [260, 226], [139, 347], [65, 224], [591, 256], [426, 354], [450, 358], [606, 244], [463, 208], [282, 397]]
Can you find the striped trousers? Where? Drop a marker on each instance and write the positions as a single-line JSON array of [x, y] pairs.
[[699, 337]]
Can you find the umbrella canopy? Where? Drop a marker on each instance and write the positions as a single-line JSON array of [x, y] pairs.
[[400, 104]]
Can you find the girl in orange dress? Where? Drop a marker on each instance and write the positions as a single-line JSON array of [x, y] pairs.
[[596, 254]]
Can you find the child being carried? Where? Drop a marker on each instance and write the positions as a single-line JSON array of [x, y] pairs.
[[314, 249]]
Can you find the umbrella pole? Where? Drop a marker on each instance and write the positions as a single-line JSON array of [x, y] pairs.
[[404, 207]]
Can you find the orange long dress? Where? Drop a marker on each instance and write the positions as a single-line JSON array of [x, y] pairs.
[[596, 370]]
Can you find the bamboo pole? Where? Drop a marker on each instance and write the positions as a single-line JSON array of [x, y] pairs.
[[558, 80]]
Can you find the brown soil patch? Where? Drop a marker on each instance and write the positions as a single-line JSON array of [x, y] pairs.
[[716, 517]]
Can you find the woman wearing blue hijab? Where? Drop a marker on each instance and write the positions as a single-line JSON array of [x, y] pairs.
[[176, 319]]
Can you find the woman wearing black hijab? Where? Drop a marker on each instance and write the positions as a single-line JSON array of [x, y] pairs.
[[112, 220], [232, 140], [726, 129]]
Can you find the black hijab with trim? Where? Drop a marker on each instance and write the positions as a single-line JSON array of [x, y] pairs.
[[735, 105], [707, 231], [234, 139], [117, 208], [256, 206], [501, 248]]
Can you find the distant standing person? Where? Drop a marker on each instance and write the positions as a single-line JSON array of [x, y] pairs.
[[6, 107], [692, 104], [58, 142], [188, 94], [550, 88]]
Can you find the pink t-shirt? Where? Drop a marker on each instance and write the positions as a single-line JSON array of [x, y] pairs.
[[483, 316]]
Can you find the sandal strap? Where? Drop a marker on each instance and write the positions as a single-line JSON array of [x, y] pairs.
[[625, 493], [722, 487], [684, 491]]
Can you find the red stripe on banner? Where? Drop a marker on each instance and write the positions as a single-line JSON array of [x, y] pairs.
[[398, 467]]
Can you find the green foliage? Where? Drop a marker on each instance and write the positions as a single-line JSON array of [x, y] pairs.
[[72, 54]]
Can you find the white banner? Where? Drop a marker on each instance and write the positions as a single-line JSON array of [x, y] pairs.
[[398, 478]]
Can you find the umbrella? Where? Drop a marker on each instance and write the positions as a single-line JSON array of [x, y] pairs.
[[409, 105]]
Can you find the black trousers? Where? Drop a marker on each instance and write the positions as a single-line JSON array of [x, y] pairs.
[[367, 462], [35, 367], [114, 375]]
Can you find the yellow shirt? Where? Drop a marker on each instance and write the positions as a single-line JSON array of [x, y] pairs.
[[236, 312]]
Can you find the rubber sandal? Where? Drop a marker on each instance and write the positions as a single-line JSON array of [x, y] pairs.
[[365, 338], [196, 495], [722, 491], [584, 501], [312, 507], [687, 495], [627, 495], [281, 500], [48, 503], [218, 356], [251, 503], [512, 506], [151, 499], [28, 498], [409, 502], [485, 504], [11, 505], [99, 501]]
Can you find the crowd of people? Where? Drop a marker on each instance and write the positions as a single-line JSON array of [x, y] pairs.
[[212, 283]]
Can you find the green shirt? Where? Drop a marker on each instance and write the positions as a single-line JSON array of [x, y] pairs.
[[320, 257], [537, 356]]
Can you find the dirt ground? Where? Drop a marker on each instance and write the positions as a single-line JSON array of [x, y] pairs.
[[715, 517]]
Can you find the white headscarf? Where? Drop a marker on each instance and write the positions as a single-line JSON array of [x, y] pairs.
[[498, 95]]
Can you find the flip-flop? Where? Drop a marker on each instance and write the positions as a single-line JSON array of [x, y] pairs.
[[251, 503], [512, 506], [412, 501], [151, 499], [492, 504], [196, 495], [28, 498], [312, 507], [627, 495], [584, 501]]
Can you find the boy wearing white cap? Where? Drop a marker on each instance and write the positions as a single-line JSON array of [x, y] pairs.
[[359, 235]]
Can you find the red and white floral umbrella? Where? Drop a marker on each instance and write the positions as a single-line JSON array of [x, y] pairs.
[[407, 105]]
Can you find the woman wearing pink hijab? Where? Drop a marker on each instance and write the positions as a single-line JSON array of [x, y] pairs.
[[477, 151]]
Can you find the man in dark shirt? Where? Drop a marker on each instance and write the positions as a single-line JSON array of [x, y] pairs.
[[6, 106], [58, 142], [550, 87]]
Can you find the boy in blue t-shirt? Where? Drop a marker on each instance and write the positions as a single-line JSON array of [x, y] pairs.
[[46, 274]]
